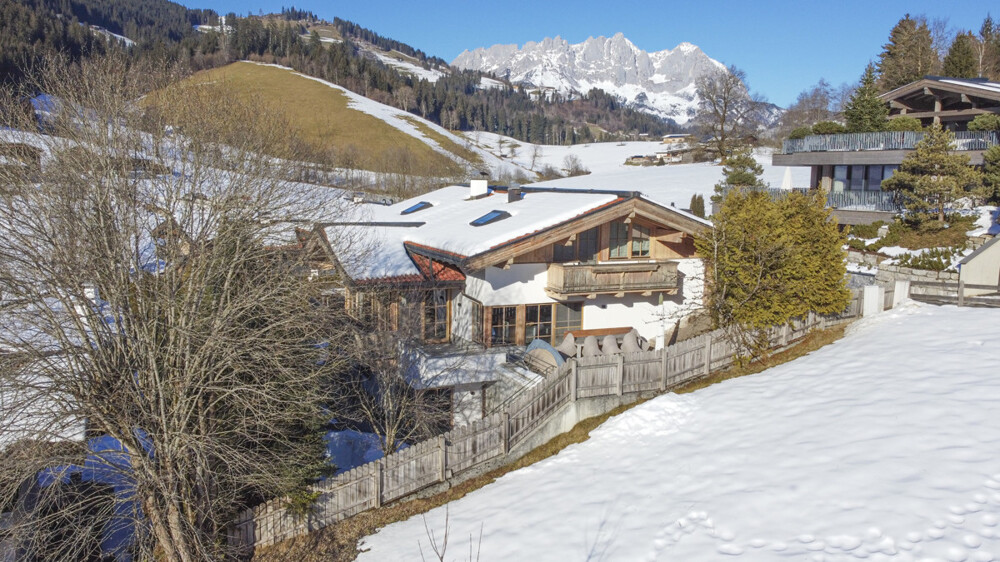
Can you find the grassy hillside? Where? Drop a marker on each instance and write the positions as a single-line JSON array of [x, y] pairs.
[[333, 132]]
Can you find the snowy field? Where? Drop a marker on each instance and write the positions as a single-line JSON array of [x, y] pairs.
[[882, 446], [674, 183]]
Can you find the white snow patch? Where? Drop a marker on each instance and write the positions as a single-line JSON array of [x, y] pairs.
[[863, 449]]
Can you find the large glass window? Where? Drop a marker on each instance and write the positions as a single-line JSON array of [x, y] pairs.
[[839, 178], [874, 179], [436, 315], [640, 241], [538, 322], [586, 242], [857, 181], [503, 325], [618, 242], [569, 317], [563, 252]]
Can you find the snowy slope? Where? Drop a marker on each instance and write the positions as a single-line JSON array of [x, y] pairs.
[[675, 183], [661, 82], [882, 446]]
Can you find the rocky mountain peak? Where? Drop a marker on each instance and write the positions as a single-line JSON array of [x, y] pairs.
[[660, 82]]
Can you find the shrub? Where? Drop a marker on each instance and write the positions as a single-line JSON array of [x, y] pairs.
[[828, 128], [985, 122], [856, 244], [934, 259], [904, 123], [800, 133], [866, 230]]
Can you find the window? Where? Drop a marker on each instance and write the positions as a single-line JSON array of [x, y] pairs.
[[436, 315], [874, 182], [839, 178], [476, 313], [586, 243], [640, 241], [857, 182], [618, 242], [569, 317], [563, 252], [503, 325], [489, 217], [418, 207], [583, 248], [538, 322]]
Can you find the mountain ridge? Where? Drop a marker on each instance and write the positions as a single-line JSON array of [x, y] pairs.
[[659, 82]]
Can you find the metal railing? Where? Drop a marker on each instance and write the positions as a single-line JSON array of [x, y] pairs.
[[885, 201], [886, 140]]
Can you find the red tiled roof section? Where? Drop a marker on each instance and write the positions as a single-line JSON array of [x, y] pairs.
[[587, 212], [437, 271]]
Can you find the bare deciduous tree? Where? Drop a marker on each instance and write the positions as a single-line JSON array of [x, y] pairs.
[[726, 109], [147, 299]]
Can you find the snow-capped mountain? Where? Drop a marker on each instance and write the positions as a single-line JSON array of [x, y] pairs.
[[661, 83]]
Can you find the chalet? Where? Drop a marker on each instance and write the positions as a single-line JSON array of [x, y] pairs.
[[851, 167], [502, 267], [677, 138]]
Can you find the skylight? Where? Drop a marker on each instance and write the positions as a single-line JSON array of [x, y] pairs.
[[489, 217], [418, 207]]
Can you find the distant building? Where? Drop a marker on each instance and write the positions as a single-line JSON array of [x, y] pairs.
[[851, 167]]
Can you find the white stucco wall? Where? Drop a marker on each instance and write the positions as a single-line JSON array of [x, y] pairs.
[[646, 314], [461, 316], [520, 284]]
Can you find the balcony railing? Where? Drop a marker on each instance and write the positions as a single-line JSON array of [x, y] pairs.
[[566, 280], [884, 201], [888, 140]]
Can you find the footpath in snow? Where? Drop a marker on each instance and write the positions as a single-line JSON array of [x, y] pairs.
[[882, 446]]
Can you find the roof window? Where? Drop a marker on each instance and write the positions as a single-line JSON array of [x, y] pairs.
[[489, 217], [414, 208]]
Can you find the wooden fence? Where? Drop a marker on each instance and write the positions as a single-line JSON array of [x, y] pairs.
[[462, 449]]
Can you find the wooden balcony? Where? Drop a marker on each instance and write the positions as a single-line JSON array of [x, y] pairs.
[[567, 280]]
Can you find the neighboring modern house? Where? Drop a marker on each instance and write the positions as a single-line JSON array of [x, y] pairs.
[[851, 167], [501, 267]]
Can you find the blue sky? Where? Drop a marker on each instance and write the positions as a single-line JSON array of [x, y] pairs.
[[784, 46]]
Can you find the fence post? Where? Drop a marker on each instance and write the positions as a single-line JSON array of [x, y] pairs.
[[663, 369], [961, 293], [621, 373], [378, 483], [708, 353], [572, 380], [505, 432], [443, 446]]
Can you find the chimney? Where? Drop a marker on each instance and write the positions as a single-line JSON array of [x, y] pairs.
[[478, 188], [513, 193]]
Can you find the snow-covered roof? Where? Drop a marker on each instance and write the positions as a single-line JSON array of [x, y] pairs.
[[449, 222]]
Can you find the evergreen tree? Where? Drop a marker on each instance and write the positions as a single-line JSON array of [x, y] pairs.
[[741, 170], [991, 174], [909, 55], [960, 62], [770, 261], [985, 122], [698, 205], [988, 49], [932, 176], [865, 111]]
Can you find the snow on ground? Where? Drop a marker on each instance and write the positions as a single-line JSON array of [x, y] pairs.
[[674, 183], [987, 222], [880, 447], [347, 449], [417, 71]]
